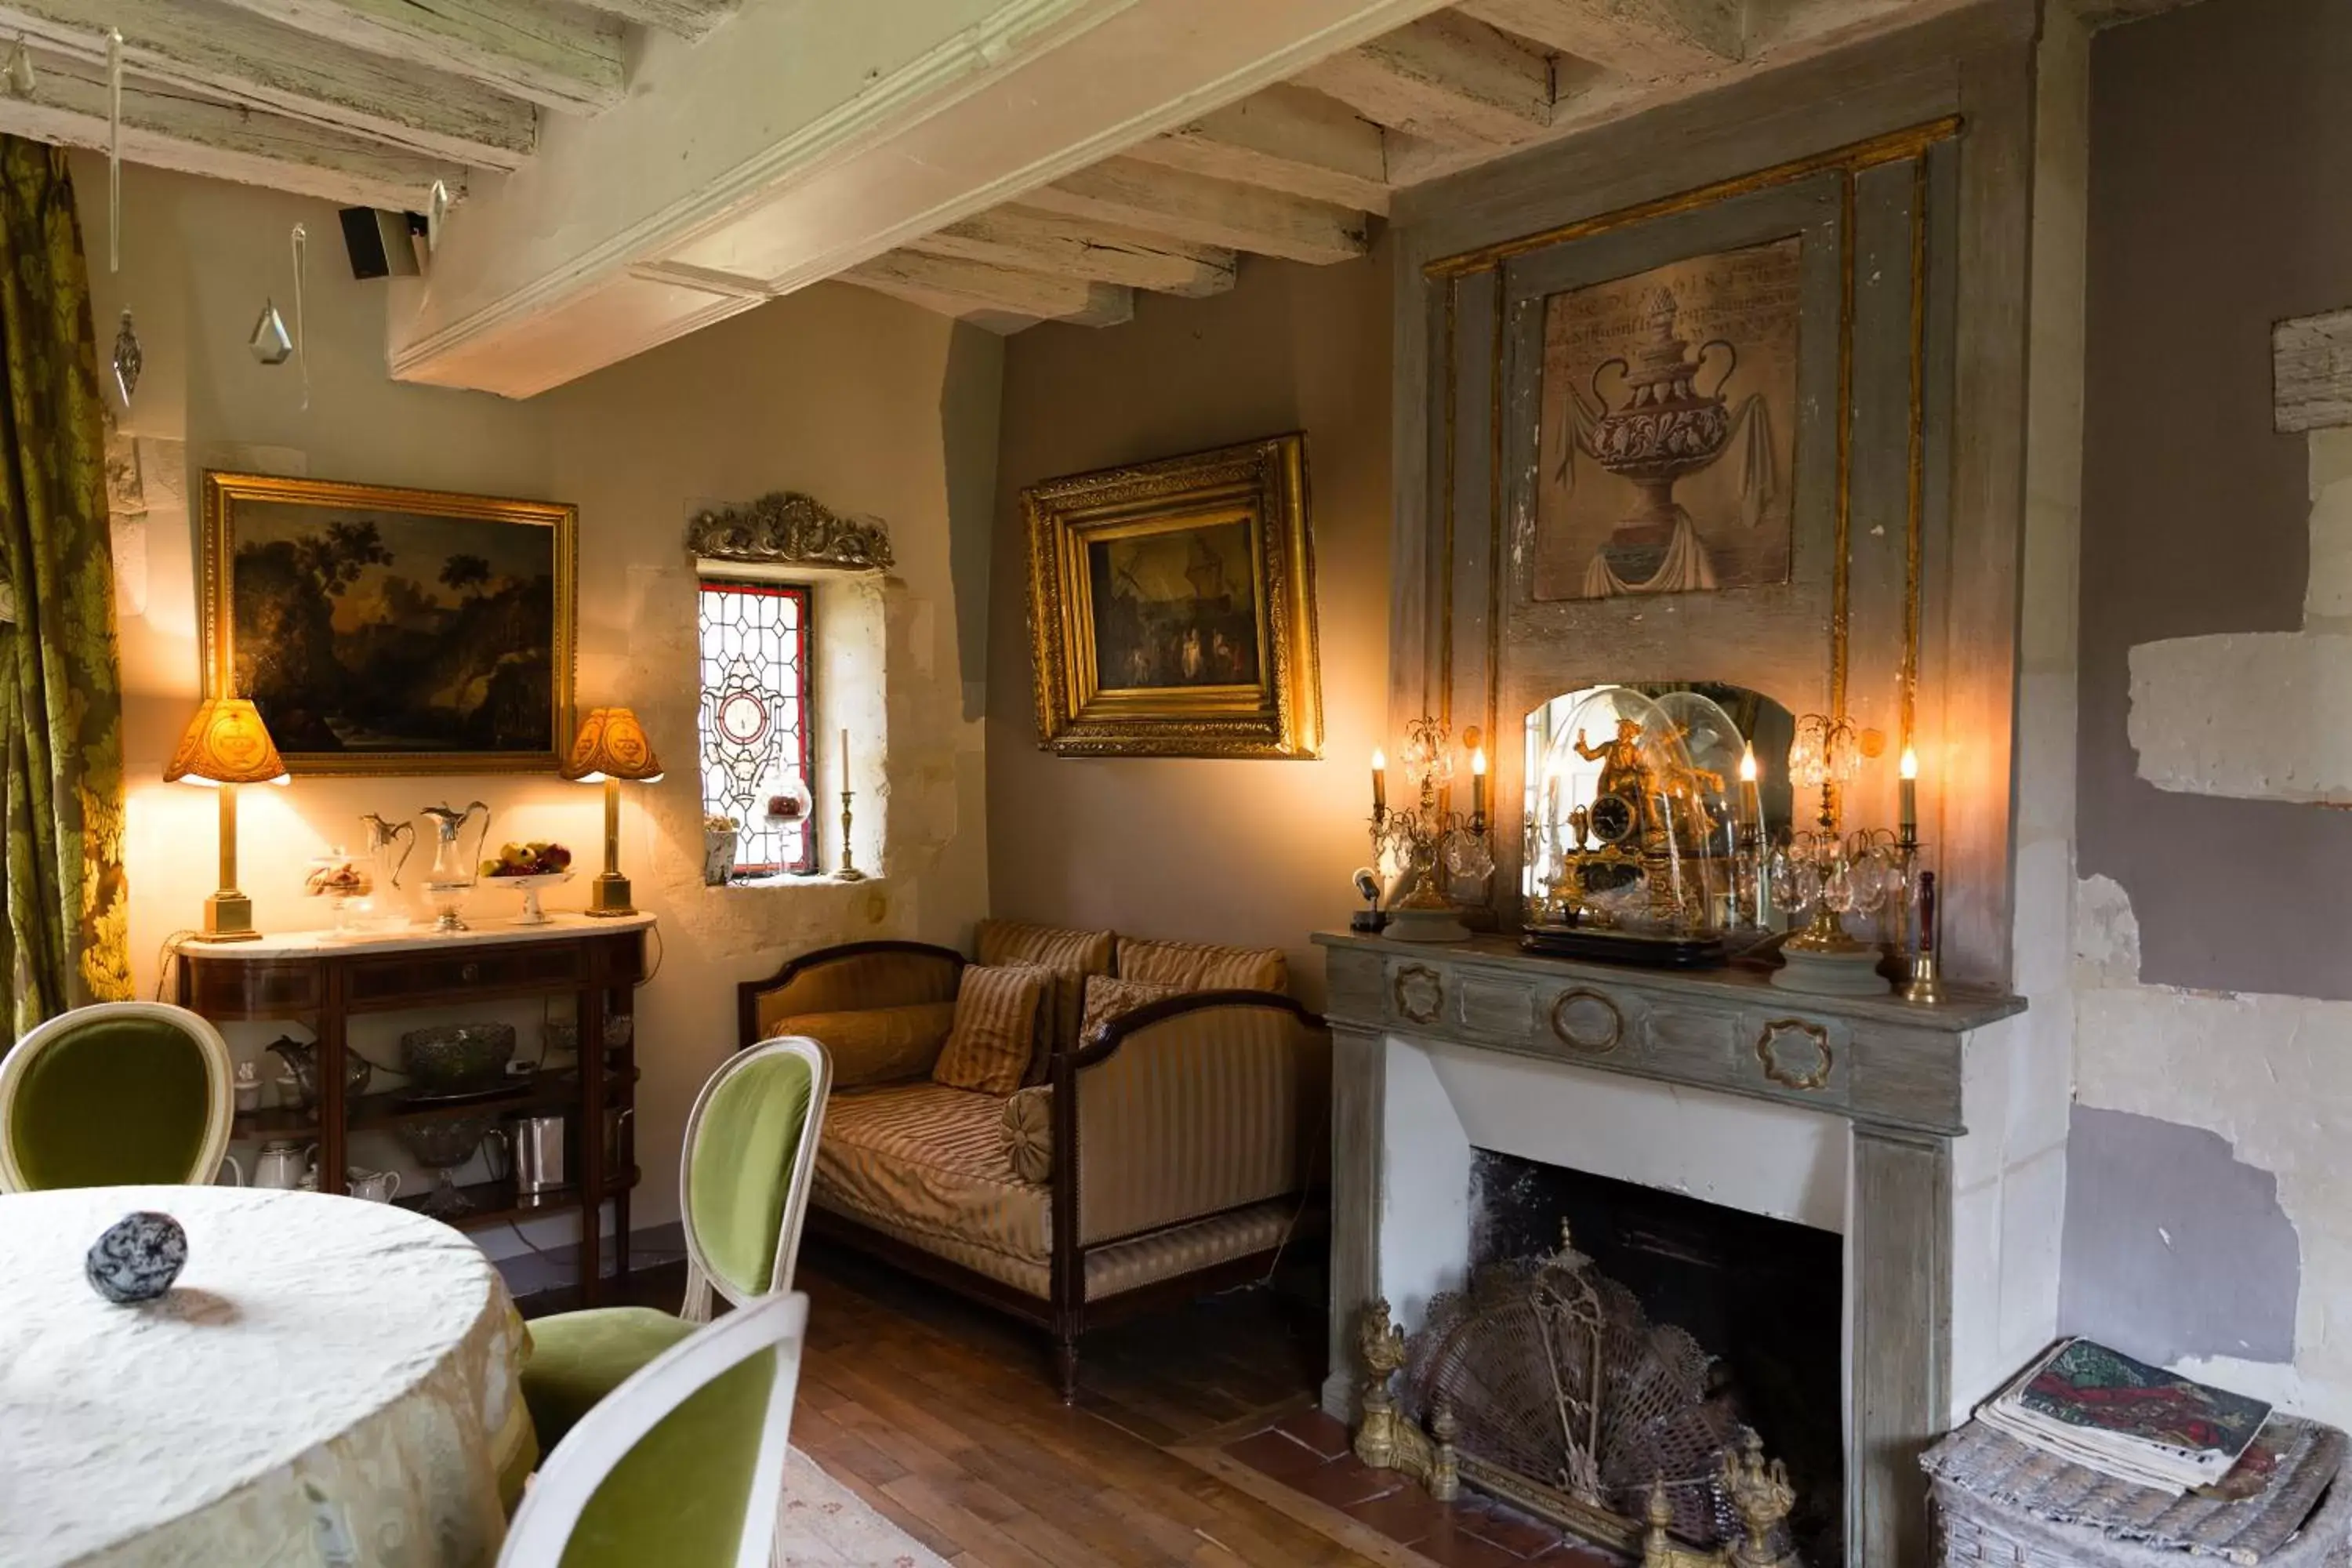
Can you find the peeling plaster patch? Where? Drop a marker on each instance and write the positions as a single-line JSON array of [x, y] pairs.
[[2174, 1247], [2270, 1075], [2232, 714]]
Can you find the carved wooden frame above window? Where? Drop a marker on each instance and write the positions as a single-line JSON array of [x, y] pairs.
[[786, 527]]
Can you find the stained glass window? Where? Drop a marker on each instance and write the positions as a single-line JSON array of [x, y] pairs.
[[754, 721]]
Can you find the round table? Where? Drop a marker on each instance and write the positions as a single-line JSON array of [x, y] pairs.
[[329, 1382]]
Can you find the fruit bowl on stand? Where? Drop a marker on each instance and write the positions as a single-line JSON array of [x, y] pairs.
[[528, 869]]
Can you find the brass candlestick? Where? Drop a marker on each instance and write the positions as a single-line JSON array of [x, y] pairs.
[[849, 871]]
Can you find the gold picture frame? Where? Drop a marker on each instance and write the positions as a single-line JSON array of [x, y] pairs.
[[356, 603], [1172, 607]]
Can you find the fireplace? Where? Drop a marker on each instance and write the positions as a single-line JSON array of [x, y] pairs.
[[1861, 1152]]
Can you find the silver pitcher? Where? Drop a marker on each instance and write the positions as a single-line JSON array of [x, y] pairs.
[[538, 1159]]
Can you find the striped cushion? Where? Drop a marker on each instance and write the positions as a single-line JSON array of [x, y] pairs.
[[1072, 955], [925, 1160], [875, 1045], [1203, 966], [995, 1033]]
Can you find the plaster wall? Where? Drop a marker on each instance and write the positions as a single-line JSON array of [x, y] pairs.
[[2211, 992], [1247, 852], [872, 405]]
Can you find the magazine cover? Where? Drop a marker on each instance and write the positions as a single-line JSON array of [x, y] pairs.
[[2087, 1386]]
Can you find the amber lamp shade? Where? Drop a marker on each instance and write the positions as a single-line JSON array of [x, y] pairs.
[[612, 746], [226, 744]]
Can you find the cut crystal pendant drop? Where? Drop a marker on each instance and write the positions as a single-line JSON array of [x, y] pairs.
[[129, 359], [271, 343]]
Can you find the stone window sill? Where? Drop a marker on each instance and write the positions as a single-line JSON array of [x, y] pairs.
[[785, 880]]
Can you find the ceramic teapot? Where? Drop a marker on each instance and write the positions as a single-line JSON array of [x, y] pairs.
[[282, 1163]]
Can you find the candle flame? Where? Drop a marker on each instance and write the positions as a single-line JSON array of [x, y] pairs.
[[1478, 761], [1379, 760], [1747, 764], [1909, 768]]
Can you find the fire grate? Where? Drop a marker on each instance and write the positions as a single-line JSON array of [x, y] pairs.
[[1545, 1382]]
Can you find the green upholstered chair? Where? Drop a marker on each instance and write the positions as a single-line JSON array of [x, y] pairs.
[[118, 1093], [743, 1186], [684, 1464]]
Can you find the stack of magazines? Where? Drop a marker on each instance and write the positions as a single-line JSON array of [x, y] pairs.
[[2138, 1423]]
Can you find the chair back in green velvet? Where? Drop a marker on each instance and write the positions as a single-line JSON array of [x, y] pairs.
[[751, 1146], [683, 1465], [116, 1093]]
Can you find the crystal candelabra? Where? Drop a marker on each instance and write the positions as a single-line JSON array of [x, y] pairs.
[[1429, 844], [1830, 872]]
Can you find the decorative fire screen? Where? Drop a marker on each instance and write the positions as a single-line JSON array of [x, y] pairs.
[[1545, 1384]]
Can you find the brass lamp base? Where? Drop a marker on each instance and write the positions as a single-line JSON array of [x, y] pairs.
[[609, 895], [228, 916]]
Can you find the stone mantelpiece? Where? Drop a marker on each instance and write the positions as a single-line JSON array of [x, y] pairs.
[[1881, 1088]]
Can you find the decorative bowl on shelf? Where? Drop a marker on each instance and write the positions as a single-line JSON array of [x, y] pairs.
[[561, 1035], [457, 1059], [445, 1146], [529, 886]]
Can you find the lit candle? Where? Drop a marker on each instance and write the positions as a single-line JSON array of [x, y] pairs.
[[1380, 781], [844, 759], [1478, 783], [1907, 788], [1751, 802]]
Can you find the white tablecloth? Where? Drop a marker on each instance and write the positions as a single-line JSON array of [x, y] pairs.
[[326, 1384]]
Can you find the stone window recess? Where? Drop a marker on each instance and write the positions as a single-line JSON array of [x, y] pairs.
[[753, 725]]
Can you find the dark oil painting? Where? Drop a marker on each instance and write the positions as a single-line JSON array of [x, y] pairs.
[[368, 634], [1175, 607]]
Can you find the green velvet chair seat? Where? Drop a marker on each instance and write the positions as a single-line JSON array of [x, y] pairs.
[[679, 1497], [578, 1358]]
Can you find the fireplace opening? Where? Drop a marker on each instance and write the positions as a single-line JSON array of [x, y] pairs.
[[1764, 1299]]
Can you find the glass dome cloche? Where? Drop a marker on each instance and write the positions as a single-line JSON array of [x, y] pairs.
[[1642, 825]]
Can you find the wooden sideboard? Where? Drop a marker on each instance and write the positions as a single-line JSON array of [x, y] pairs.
[[321, 980]]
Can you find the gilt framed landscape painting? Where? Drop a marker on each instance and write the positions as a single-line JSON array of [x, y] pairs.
[[390, 631], [1172, 607]]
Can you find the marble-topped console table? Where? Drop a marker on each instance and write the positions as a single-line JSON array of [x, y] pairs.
[[321, 979], [1487, 1044]]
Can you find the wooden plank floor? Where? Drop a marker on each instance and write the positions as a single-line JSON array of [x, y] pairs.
[[944, 1417]]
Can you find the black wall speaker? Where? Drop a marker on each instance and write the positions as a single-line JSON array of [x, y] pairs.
[[382, 244]]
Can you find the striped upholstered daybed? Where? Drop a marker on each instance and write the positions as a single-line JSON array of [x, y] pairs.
[[1164, 1135]]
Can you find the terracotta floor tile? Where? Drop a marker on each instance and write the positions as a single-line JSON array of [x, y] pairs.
[[1344, 1483], [1273, 1454], [1406, 1516], [1326, 1434], [1459, 1550], [1577, 1557], [1512, 1532]]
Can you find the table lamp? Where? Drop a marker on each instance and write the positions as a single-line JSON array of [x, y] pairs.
[[612, 747], [226, 745]]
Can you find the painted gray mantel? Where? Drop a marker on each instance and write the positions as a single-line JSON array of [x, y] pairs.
[[1890, 1070]]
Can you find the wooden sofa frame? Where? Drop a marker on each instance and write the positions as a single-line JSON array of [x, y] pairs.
[[1065, 1314]]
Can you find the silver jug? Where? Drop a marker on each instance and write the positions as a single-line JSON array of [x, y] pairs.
[[539, 1162], [452, 873]]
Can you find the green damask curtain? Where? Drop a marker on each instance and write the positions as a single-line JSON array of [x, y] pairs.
[[66, 911]]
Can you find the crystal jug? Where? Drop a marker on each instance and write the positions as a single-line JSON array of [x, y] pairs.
[[452, 872], [384, 901]]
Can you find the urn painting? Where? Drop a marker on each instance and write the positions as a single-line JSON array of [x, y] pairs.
[[1669, 416]]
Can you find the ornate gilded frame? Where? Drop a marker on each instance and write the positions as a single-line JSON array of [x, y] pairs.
[[225, 493], [1279, 717]]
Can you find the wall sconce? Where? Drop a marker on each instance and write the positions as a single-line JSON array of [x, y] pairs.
[[612, 746], [226, 744]]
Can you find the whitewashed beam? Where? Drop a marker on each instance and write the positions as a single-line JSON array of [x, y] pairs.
[[1447, 78], [1644, 39], [1062, 246], [975, 285], [1205, 212], [220, 52], [806, 138], [544, 50], [1285, 138], [687, 18], [170, 128]]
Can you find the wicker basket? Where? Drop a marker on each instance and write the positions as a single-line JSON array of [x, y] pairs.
[[1973, 1531]]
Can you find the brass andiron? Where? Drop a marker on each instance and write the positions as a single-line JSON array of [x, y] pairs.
[[1387, 1440], [1760, 1494]]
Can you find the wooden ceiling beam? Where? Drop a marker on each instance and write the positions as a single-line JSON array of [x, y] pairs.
[[170, 128], [1643, 39], [544, 50], [228, 54], [1204, 211], [1446, 78], [687, 18], [957, 287], [1060, 246], [1285, 138]]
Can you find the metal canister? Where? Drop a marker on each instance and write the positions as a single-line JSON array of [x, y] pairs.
[[539, 1160]]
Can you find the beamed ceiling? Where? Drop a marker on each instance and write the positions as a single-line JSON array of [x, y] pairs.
[[626, 171]]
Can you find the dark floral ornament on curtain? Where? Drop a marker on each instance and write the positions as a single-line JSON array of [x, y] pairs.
[[64, 894]]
